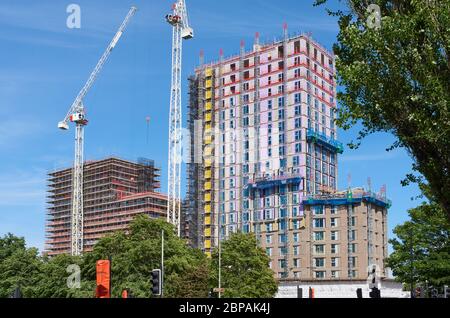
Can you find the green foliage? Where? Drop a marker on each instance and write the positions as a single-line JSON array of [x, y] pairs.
[[19, 266], [136, 253], [428, 235], [397, 79], [245, 268]]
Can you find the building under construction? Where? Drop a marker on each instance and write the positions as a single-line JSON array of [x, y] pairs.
[[264, 159], [114, 192]]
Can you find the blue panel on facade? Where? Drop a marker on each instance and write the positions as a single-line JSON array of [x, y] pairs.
[[323, 140]]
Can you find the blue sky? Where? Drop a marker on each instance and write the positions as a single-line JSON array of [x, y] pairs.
[[43, 65]]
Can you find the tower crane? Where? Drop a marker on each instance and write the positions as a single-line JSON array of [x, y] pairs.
[[76, 114], [181, 30]]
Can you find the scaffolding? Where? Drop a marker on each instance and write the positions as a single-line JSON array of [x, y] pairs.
[[114, 191]]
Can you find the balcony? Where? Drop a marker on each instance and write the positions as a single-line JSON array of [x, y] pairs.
[[324, 140]]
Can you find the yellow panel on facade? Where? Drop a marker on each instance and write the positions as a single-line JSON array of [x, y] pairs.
[[207, 185], [208, 72], [303, 223], [208, 126], [208, 117], [208, 163], [208, 94], [207, 220], [208, 139], [208, 232], [208, 83], [207, 243], [208, 208], [208, 174], [208, 254], [208, 197], [208, 106]]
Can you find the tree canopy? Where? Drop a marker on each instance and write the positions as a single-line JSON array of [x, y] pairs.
[[422, 247], [245, 268], [396, 78]]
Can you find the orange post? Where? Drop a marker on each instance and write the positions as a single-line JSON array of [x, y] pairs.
[[103, 289]]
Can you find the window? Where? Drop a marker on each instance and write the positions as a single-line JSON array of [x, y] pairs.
[[333, 222], [296, 237], [334, 262], [297, 98], [298, 122], [334, 274], [269, 251], [319, 236], [319, 223], [295, 161], [269, 239], [296, 250], [319, 262], [319, 274], [352, 248], [318, 210], [298, 135], [334, 248], [334, 235], [319, 249], [297, 262]]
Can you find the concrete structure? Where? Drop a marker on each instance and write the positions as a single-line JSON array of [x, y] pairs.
[[264, 148], [115, 191], [389, 288]]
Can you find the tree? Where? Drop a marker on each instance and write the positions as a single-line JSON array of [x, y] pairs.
[[137, 252], [19, 266], [245, 271], [53, 275], [396, 78], [422, 247]]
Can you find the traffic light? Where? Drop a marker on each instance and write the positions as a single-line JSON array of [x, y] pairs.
[[434, 293], [156, 282]]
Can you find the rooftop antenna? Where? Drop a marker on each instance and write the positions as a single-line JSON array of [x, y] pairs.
[[147, 119], [369, 184], [285, 30], [256, 44], [202, 57]]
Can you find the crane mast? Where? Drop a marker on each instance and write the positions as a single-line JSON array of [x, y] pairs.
[[76, 114], [181, 30]]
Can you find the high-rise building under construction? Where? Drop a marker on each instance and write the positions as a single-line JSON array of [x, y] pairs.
[[115, 191], [264, 159]]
